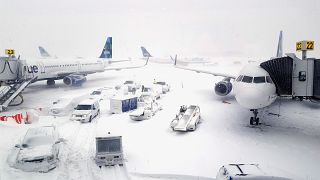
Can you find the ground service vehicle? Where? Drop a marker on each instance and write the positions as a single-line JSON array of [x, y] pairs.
[[187, 119], [109, 151], [86, 110]]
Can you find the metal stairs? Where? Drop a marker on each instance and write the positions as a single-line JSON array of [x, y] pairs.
[[13, 92]]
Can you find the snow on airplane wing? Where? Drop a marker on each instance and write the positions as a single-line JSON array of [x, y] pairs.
[[208, 72], [126, 67]]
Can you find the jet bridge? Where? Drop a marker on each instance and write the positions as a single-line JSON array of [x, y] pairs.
[[295, 77], [14, 78]]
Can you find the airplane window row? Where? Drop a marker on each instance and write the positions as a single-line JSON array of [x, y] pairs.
[[67, 65], [258, 79]]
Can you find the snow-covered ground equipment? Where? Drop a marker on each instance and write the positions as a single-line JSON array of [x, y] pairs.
[[244, 171], [187, 119], [163, 86], [146, 112], [123, 103], [109, 151], [38, 151]]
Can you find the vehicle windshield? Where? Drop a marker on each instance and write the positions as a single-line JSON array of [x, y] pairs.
[[96, 93], [146, 89], [161, 83], [83, 107], [37, 141], [128, 82]]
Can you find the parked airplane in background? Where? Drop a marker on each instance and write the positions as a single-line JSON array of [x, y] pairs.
[[72, 71], [253, 86], [168, 60]]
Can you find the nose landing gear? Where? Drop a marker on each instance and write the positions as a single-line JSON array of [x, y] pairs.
[[254, 120]]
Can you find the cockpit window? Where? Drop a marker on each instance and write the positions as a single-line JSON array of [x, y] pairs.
[[247, 79], [259, 79], [239, 78], [269, 80]]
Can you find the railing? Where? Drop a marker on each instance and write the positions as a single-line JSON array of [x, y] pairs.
[[3, 90]]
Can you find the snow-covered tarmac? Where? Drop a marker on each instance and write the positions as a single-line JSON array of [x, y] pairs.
[[287, 146]]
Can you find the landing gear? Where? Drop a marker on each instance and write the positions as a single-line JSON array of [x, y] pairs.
[[254, 120], [51, 82]]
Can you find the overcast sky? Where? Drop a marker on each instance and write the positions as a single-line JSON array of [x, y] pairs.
[[204, 28]]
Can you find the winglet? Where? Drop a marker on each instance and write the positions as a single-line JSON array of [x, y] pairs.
[[280, 49], [174, 60], [43, 52], [146, 62]]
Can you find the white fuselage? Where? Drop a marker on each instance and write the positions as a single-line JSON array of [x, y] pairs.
[[254, 88], [59, 68]]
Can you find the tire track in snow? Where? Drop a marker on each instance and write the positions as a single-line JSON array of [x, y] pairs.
[[77, 152]]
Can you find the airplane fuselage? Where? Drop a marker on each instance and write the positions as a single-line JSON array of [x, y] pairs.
[[59, 68]]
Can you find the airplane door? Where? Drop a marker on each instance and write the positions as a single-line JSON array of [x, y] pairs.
[[42, 68], [79, 66]]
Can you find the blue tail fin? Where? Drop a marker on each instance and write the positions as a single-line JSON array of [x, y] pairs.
[[145, 53], [43, 52], [107, 49], [280, 50]]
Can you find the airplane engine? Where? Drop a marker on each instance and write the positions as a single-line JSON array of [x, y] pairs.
[[74, 80], [223, 88]]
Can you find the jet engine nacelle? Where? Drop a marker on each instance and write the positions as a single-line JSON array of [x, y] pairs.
[[223, 88], [74, 80]]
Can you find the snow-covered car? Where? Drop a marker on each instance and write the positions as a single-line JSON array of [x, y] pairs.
[[64, 105], [146, 112], [38, 151], [164, 86], [100, 93], [132, 84], [187, 119], [86, 110], [244, 171], [151, 91]]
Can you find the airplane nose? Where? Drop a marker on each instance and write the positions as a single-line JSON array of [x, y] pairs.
[[253, 98]]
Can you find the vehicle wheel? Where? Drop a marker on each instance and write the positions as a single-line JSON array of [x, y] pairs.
[[257, 121], [251, 120], [51, 82], [90, 118], [100, 167]]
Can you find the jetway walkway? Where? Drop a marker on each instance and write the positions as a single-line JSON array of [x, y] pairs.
[[9, 94]]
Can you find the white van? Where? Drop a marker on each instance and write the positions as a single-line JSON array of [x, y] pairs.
[[86, 110]]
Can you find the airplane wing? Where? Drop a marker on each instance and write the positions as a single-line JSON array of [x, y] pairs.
[[204, 71], [208, 72], [125, 67]]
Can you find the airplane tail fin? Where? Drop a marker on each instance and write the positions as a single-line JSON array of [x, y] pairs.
[[43, 52], [107, 49], [145, 53], [280, 50]]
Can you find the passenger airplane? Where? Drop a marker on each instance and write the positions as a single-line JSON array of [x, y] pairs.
[[71, 71], [253, 86], [184, 61]]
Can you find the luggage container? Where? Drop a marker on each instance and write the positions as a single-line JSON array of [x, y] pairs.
[[120, 104], [109, 151]]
